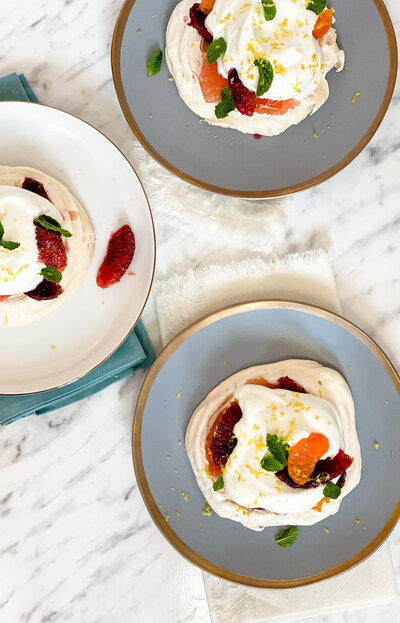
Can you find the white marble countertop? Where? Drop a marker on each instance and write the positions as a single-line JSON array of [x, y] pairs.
[[76, 542]]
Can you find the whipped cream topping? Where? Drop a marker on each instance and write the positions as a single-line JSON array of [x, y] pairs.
[[18, 309], [329, 399], [290, 415], [286, 41], [20, 268], [184, 52]]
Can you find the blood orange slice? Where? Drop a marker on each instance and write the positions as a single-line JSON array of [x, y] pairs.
[[120, 252], [51, 250], [275, 107], [211, 82], [220, 441]]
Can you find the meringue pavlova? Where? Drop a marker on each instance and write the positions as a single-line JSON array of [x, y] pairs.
[[258, 66], [276, 444], [46, 245]]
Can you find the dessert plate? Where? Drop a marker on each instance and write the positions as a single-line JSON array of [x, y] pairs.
[[232, 163], [202, 356], [90, 326]]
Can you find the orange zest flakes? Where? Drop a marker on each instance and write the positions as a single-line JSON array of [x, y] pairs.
[[323, 23], [304, 455], [206, 6], [318, 507]]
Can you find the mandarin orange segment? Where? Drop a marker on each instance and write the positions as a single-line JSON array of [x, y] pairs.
[[206, 6], [211, 82], [304, 455], [323, 23]]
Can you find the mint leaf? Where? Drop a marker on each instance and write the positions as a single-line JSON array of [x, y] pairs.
[[50, 223], [331, 490], [269, 9], [8, 244], [216, 49], [219, 483], [226, 104], [154, 64], [316, 5], [287, 537], [51, 273], [265, 75], [270, 464], [278, 448]]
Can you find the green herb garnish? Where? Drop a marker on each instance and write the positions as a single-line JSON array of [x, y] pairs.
[[287, 537], [279, 451], [50, 223], [51, 273], [226, 104], [219, 483], [216, 49], [316, 5], [331, 490], [270, 464], [265, 75], [7, 244], [154, 64], [269, 9], [278, 448]]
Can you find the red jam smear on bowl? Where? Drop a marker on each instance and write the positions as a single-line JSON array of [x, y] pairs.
[[119, 256]]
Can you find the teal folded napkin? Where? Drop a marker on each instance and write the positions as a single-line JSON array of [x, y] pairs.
[[15, 87], [136, 352]]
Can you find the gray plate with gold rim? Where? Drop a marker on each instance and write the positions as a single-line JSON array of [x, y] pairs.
[[190, 366], [234, 163]]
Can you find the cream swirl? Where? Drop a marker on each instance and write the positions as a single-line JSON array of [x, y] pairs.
[[331, 413], [290, 415], [20, 268], [286, 42], [185, 56]]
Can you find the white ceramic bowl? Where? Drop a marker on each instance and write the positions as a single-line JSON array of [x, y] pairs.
[[90, 326]]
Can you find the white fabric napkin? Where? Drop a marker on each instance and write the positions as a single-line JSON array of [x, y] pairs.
[[255, 225], [308, 278]]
